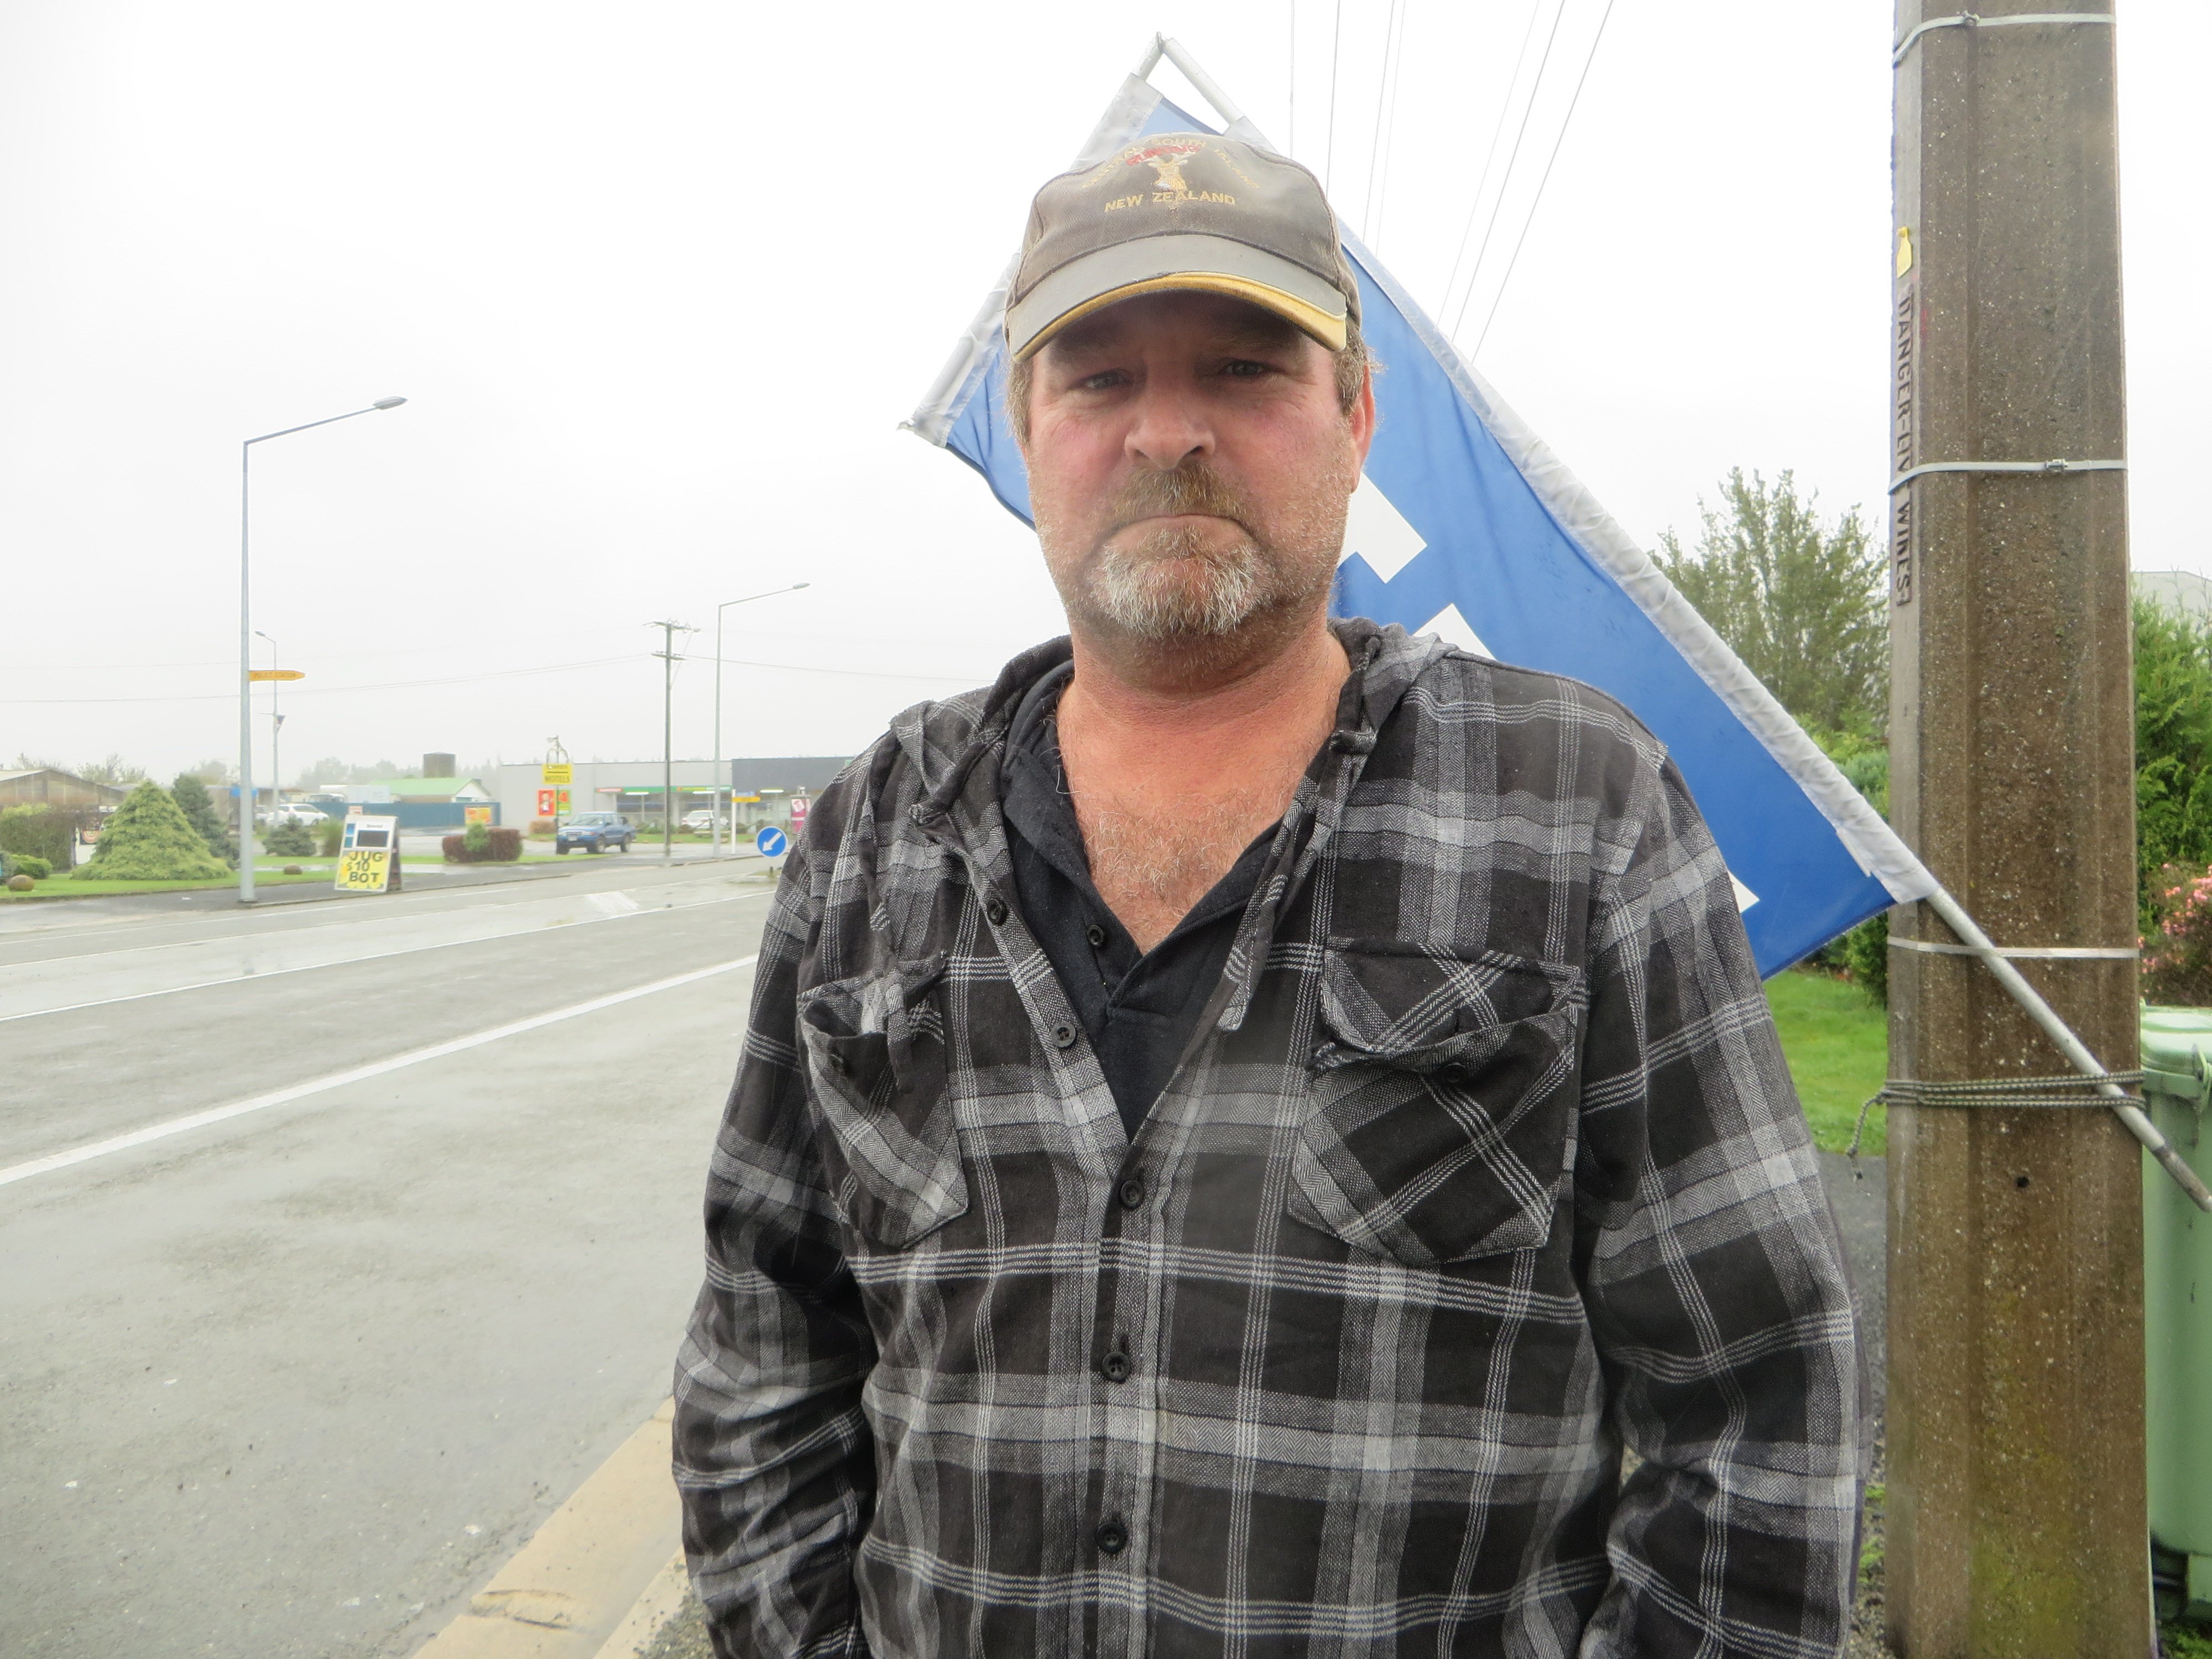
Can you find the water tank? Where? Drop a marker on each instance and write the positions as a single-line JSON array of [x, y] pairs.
[[439, 766]]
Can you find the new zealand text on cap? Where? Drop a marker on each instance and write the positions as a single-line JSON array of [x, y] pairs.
[[1182, 210]]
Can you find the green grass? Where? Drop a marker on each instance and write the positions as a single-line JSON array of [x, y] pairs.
[[1837, 1042], [2180, 1641], [62, 887]]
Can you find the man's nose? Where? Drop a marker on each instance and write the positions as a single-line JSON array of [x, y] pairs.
[[1169, 428]]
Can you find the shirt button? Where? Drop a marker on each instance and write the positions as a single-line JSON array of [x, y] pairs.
[[1116, 1366], [1096, 934], [1113, 1537], [1132, 1192], [995, 909], [1064, 1035]]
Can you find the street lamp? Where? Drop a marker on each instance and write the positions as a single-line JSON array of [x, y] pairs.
[[245, 635], [276, 726], [719, 610]]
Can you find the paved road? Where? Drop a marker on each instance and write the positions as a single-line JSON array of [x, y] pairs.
[[294, 1380]]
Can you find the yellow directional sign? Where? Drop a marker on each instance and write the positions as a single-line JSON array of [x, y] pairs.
[[557, 775], [276, 673]]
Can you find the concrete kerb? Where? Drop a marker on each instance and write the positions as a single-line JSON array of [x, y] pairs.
[[598, 1580]]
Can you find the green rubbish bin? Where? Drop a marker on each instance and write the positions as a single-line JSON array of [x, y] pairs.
[[2177, 1060]]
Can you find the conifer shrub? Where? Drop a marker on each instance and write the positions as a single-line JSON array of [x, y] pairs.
[[330, 836], [198, 807], [290, 841], [148, 838]]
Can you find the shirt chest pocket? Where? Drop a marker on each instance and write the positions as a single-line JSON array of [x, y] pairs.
[[1442, 1114], [876, 1059]]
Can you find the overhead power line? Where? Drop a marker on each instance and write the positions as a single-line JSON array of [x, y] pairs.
[[1498, 298], [1328, 148], [512, 674], [1489, 156], [1505, 179]]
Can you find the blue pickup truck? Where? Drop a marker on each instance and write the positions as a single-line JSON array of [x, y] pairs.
[[595, 832]]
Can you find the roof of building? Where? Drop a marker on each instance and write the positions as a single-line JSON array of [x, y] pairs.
[[2181, 590], [430, 788]]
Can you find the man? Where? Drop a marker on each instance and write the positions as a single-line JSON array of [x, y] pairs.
[[1248, 1119]]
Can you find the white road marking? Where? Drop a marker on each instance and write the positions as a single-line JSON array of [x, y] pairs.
[[49, 976], [177, 1126]]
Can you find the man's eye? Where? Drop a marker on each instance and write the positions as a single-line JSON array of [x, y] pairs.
[[1244, 368], [1104, 380]]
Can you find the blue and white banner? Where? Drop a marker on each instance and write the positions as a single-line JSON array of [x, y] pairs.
[[1465, 526]]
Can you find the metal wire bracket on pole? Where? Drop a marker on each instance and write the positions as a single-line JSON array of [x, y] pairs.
[[2049, 469], [1967, 20], [2077, 1054]]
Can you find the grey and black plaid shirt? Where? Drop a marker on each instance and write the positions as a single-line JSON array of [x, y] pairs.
[[1483, 1165]]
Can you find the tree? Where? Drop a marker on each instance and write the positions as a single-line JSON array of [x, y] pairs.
[[214, 770], [113, 770], [148, 838], [1800, 603], [198, 807]]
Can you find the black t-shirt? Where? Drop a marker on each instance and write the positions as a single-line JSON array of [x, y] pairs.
[[1139, 1009]]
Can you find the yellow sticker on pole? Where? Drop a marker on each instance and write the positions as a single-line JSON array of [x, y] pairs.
[[557, 775]]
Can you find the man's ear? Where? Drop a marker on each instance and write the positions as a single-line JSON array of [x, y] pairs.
[[1362, 415]]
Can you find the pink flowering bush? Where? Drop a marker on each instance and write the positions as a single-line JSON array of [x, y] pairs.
[[2177, 959]]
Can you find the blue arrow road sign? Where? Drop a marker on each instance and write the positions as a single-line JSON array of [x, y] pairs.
[[772, 842]]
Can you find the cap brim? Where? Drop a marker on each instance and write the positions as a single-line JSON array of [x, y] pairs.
[[1180, 263]]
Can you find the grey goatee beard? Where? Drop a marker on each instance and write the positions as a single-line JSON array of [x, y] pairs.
[[1169, 586]]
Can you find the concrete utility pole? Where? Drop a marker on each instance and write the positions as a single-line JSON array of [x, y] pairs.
[[668, 661], [2016, 1441]]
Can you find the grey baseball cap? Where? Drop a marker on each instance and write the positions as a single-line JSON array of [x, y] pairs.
[[1182, 210]]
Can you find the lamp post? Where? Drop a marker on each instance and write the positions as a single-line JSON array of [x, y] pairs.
[[245, 634], [718, 762], [275, 727]]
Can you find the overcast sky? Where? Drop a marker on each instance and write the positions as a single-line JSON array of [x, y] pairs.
[[660, 281]]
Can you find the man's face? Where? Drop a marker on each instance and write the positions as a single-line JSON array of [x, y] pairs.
[[1189, 462]]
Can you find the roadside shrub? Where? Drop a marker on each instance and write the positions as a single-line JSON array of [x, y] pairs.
[[329, 835], [149, 838], [41, 831], [29, 863], [541, 827], [2173, 751], [290, 841], [2177, 959], [198, 807], [482, 844]]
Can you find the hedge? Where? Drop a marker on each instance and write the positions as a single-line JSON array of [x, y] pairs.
[[495, 847]]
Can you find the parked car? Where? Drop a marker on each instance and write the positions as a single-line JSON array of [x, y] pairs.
[[702, 822], [293, 813], [595, 832]]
